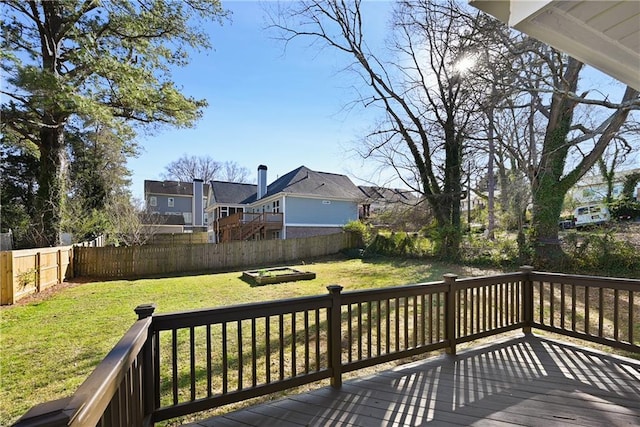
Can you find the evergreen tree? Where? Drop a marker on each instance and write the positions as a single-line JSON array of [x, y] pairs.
[[72, 62]]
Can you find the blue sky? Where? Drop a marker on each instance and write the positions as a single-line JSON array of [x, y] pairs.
[[274, 107], [267, 106]]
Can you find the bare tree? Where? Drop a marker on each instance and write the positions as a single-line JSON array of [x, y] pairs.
[[188, 168], [233, 172], [130, 223], [569, 128], [612, 160], [419, 84]]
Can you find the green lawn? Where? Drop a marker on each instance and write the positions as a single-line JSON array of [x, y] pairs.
[[50, 345]]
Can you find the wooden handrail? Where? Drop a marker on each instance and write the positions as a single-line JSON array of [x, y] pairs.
[[242, 225], [114, 387]]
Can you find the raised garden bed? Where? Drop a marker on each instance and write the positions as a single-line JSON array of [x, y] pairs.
[[269, 276]]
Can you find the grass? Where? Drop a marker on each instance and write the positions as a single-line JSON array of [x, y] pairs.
[[51, 343]]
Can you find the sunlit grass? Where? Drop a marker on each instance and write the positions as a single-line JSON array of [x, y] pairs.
[[51, 344]]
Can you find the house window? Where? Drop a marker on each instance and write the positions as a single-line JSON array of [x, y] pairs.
[[170, 202], [153, 201], [276, 235], [224, 211], [187, 217], [276, 206]]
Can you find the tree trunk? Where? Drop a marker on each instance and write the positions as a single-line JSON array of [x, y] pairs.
[[452, 189], [547, 207], [548, 187], [50, 192], [491, 184]]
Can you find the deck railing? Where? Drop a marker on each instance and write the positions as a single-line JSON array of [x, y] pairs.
[[597, 309], [241, 218], [170, 365]]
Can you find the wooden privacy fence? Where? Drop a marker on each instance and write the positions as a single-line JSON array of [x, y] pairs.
[[28, 271], [151, 260], [182, 363], [177, 238]]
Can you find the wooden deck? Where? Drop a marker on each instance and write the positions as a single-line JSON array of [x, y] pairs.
[[525, 380]]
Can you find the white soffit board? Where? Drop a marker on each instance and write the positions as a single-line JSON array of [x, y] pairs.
[[603, 34]]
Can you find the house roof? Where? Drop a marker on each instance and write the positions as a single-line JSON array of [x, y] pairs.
[[171, 187], [388, 195], [300, 181], [603, 34], [232, 193], [304, 181]]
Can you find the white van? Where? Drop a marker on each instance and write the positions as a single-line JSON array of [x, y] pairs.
[[591, 215]]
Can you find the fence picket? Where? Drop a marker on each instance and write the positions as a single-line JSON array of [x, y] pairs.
[[148, 260]]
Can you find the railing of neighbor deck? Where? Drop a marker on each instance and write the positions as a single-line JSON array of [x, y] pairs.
[[201, 359]]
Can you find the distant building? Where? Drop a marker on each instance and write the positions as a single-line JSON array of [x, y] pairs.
[[381, 199], [301, 203], [593, 189], [184, 199]]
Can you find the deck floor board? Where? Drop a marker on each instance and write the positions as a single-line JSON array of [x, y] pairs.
[[525, 380]]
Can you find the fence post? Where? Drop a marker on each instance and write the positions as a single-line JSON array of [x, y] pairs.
[[450, 312], [38, 277], [148, 382], [71, 267], [59, 262], [7, 282], [335, 336], [527, 297]]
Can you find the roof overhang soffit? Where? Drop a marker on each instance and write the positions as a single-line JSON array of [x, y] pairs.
[[603, 34]]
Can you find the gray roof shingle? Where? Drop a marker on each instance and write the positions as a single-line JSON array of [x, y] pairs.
[[232, 193], [304, 181], [389, 195], [171, 187], [301, 181]]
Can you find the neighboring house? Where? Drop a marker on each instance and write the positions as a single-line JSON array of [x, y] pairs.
[[593, 189], [162, 224], [184, 199], [378, 200], [302, 203]]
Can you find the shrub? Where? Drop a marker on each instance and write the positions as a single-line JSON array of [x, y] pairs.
[[625, 208], [501, 252], [361, 230], [601, 253], [396, 244]]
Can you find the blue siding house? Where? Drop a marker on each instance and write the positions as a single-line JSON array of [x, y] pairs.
[[184, 199], [301, 203]]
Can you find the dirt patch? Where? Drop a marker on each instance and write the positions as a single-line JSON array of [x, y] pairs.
[[47, 293]]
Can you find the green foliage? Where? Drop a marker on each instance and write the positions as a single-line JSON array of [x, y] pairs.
[[97, 176], [624, 207], [74, 65], [396, 244], [630, 184], [601, 253], [503, 251], [18, 184], [361, 230], [445, 241]]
